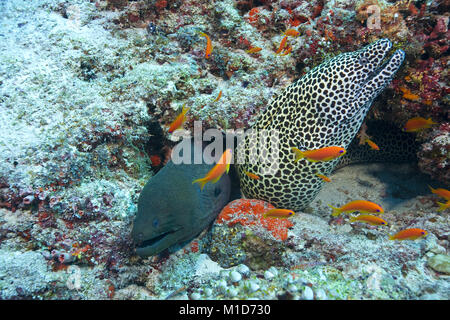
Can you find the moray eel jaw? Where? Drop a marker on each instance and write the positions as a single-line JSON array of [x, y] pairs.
[[156, 242]]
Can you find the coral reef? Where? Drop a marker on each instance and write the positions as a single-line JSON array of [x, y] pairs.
[[249, 212]]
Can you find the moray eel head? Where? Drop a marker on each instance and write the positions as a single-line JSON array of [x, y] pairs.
[[371, 75], [172, 210], [351, 81]]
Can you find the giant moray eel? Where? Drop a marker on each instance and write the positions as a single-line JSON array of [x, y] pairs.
[[323, 108], [172, 210]]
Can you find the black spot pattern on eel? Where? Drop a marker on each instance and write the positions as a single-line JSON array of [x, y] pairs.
[[325, 107]]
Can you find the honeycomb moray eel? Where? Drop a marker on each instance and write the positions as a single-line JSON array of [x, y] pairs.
[[395, 146], [325, 107]]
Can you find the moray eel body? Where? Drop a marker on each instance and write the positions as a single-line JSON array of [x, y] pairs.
[[172, 210], [325, 107], [395, 146]]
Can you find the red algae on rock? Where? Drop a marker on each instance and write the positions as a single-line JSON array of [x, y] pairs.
[[249, 212]]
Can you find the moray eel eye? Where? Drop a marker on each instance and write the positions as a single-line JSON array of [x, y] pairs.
[[155, 223], [363, 60]]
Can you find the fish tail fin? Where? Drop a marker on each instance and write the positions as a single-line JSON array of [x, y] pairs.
[[391, 238], [336, 211], [298, 154], [431, 188], [201, 182], [228, 168], [443, 206], [430, 121], [185, 109], [352, 219], [216, 179]]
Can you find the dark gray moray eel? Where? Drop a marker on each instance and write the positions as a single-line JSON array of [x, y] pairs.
[[325, 107], [172, 210]]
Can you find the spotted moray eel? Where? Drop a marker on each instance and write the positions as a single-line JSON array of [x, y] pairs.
[[325, 107]]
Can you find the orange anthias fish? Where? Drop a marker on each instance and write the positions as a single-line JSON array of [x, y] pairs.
[[291, 33], [278, 213], [253, 50], [372, 144], [209, 46], [214, 175], [252, 175], [444, 193], [443, 206], [367, 218], [218, 97], [287, 51], [282, 45], [324, 178], [409, 234], [322, 154], [362, 206], [441, 192], [418, 123], [178, 122]]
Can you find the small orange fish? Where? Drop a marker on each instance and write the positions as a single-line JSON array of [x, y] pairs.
[[322, 154], [362, 206], [291, 33], [254, 50], [287, 51], [443, 206], [407, 94], [209, 46], [324, 178], [367, 218], [218, 97], [418, 123], [282, 45], [252, 175], [178, 122], [214, 175], [441, 192], [279, 213], [409, 234], [372, 144]]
